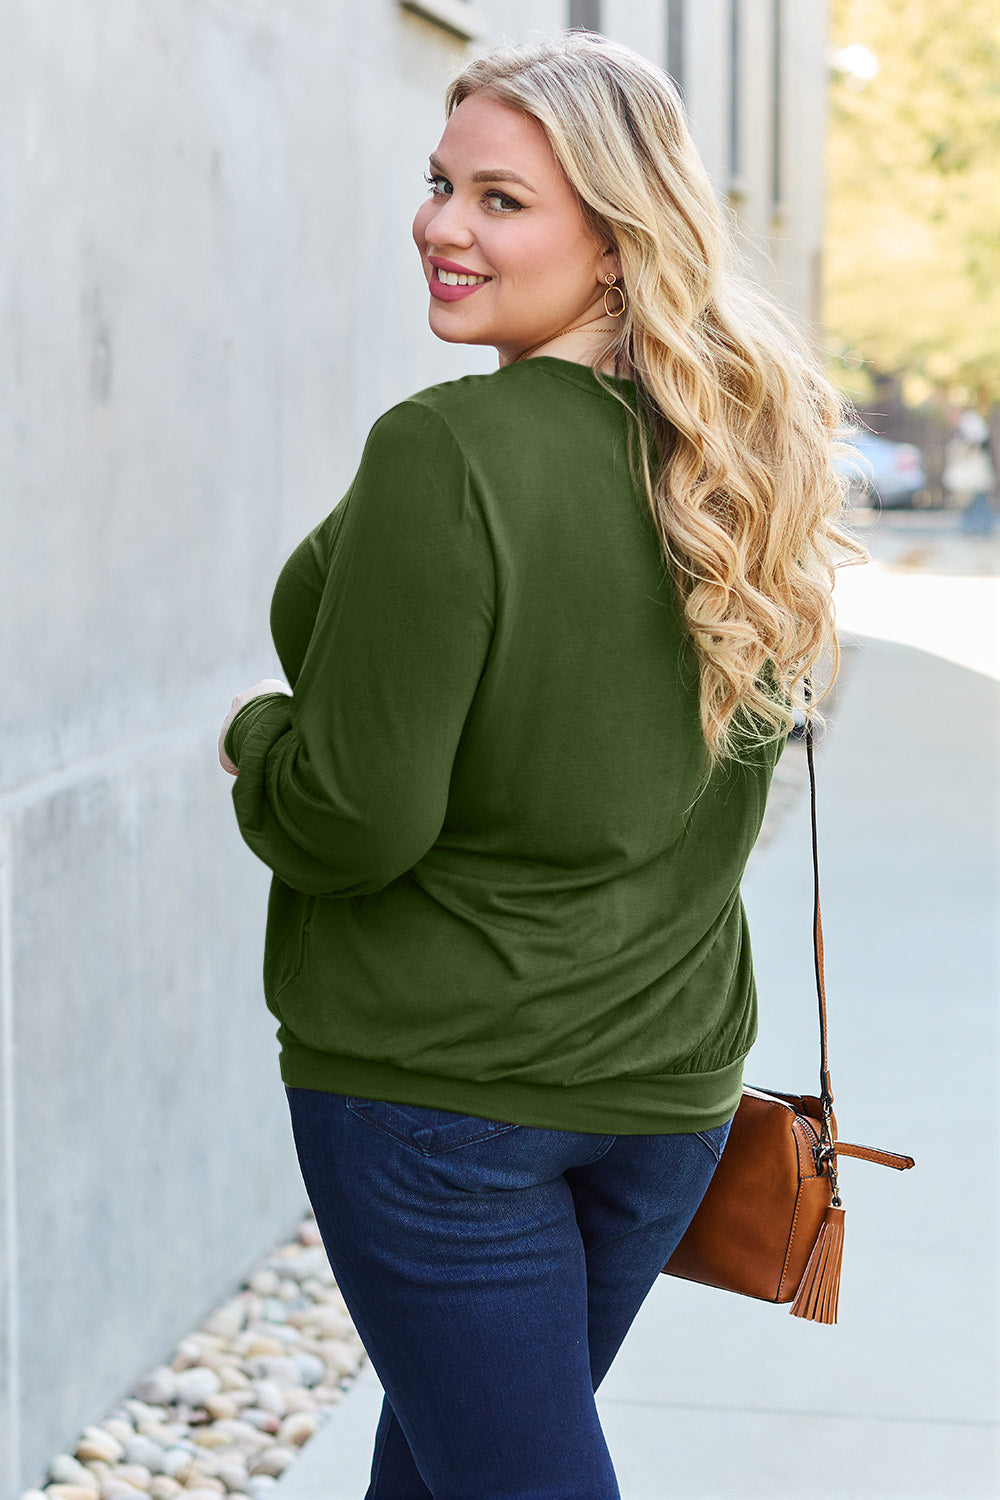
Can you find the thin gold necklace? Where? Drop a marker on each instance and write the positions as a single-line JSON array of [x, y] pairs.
[[573, 328]]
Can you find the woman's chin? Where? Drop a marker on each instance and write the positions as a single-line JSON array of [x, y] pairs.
[[450, 331]]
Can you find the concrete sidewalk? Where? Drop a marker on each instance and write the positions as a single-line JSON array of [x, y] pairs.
[[713, 1397]]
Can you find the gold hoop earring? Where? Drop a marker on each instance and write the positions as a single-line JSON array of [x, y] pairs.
[[611, 278]]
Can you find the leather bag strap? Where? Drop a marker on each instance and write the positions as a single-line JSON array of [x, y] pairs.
[[830, 1148], [872, 1153], [828, 1131], [825, 1086]]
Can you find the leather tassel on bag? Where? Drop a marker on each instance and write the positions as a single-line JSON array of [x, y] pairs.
[[819, 1289]]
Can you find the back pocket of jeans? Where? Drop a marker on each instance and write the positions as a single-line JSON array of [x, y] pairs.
[[715, 1139], [430, 1131]]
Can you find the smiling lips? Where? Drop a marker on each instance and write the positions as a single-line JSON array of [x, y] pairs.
[[450, 281]]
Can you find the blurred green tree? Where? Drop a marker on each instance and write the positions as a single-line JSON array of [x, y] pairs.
[[912, 254]]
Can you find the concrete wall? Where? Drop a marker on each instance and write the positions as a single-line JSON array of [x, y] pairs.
[[208, 294], [780, 112]]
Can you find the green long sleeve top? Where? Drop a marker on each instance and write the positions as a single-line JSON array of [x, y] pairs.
[[501, 883]]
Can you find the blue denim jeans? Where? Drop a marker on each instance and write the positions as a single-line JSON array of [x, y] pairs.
[[492, 1271]]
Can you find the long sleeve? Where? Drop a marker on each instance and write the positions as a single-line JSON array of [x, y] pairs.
[[343, 786]]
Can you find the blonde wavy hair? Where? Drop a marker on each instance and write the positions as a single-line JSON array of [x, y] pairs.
[[736, 429]]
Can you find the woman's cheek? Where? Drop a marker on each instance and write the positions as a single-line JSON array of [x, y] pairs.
[[420, 221]]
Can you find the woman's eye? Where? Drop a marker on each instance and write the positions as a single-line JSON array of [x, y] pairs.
[[497, 202], [505, 204]]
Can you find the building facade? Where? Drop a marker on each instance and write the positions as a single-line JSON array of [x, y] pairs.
[[209, 293]]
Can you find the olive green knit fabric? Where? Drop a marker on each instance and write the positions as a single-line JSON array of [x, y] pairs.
[[503, 882]]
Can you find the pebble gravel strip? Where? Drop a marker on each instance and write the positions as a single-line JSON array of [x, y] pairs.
[[238, 1400]]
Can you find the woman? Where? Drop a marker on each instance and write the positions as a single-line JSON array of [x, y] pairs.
[[542, 657]]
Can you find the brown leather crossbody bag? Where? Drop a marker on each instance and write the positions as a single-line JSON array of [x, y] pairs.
[[771, 1224]]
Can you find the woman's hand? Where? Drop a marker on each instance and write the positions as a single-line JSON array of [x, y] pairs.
[[269, 685]]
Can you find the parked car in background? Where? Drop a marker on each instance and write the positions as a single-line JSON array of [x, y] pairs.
[[883, 472]]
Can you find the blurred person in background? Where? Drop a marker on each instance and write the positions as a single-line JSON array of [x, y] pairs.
[[969, 477], [541, 661]]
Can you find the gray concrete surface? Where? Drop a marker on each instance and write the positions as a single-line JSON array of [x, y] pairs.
[[713, 1397]]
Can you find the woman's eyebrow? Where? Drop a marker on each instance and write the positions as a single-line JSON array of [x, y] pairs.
[[488, 174]]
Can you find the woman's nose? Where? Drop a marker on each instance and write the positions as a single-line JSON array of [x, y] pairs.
[[448, 226]]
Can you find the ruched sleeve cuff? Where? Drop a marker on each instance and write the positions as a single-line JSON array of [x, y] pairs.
[[259, 709]]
